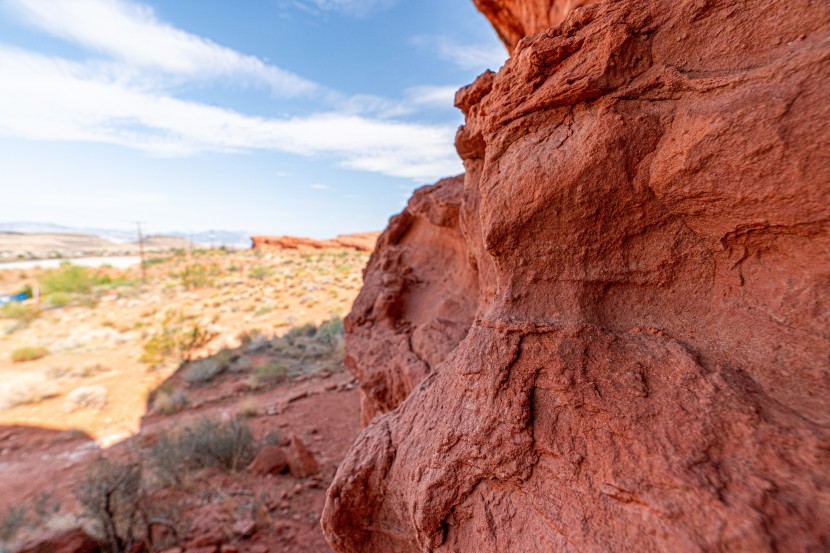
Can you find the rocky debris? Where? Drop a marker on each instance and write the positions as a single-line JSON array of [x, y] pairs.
[[269, 460], [74, 540], [301, 462], [640, 260], [243, 528], [364, 242], [516, 19], [294, 458], [206, 528]]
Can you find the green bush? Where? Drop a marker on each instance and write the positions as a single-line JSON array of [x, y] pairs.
[[71, 279], [205, 370], [198, 275], [29, 353], [21, 312], [306, 331], [176, 340], [275, 371], [260, 273], [60, 299], [154, 261], [330, 332], [74, 284]]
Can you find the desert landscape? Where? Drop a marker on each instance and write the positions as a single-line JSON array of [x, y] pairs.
[[609, 334], [107, 364]]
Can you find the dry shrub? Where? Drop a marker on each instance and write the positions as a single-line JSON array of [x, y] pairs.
[[275, 371], [25, 388], [86, 397], [169, 402], [178, 339], [111, 495], [202, 444], [205, 370]]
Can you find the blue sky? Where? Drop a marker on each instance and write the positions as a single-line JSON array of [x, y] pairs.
[[309, 117]]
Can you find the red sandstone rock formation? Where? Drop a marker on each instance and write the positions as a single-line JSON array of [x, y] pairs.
[[642, 235], [419, 297], [515, 19], [363, 241]]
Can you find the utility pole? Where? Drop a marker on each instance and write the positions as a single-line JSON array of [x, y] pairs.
[[141, 251]]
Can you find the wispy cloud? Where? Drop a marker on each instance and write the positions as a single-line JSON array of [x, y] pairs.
[[490, 55], [131, 33], [93, 107], [354, 8], [319, 186], [433, 96]]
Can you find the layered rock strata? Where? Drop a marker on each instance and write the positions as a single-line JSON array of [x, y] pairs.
[[615, 333]]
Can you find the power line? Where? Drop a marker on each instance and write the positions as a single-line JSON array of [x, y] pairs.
[[141, 250]]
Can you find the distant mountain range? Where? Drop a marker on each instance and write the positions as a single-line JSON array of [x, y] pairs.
[[229, 238]]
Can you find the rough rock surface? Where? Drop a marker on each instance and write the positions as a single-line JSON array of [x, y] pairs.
[[301, 462], [269, 460], [73, 540], [419, 297], [363, 241], [640, 251], [515, 19]]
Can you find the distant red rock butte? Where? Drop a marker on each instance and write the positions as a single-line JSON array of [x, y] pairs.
[[363, 241]]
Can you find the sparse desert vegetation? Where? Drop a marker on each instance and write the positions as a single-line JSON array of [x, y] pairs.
[[28, 353], [254, 315], [182, 379]]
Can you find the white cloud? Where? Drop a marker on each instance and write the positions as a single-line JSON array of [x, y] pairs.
[[132, 33], [319, 187], [355, 8], [52, 99], [479, 57], [433, 96], [122, 101]]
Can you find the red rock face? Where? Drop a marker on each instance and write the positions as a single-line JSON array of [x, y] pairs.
[[419, 297], [641, 255], [515, 19]]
